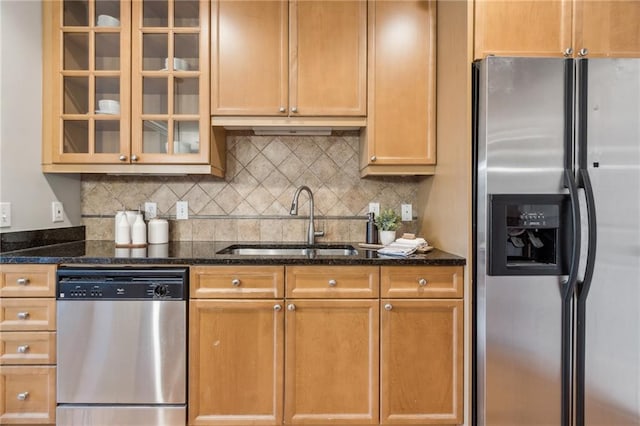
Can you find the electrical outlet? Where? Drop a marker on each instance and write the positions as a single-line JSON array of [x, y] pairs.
[[375, 208], [182, 210], [150, 210], [57, 211], [407, 213], [5, 215]]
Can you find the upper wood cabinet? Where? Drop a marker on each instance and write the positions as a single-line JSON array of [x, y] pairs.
[[557, 28], [126, 87], [400, 137], [288, 59]]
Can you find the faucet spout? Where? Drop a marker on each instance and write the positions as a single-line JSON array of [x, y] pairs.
[[311, 232]]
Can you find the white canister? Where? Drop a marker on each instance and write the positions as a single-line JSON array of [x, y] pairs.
[[131, 216], [139, 231], [158, 250], [123, 231], [158, 231]]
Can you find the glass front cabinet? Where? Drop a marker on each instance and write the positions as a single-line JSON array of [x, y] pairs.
[[126, 83]]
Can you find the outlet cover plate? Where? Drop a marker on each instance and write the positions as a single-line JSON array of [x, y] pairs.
[[375, 208], [150, 210], [182, 210], [407, 212]]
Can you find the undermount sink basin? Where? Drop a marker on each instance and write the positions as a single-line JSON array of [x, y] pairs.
[[275, 250]]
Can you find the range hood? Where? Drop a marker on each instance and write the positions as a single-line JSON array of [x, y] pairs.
[[290, 126]]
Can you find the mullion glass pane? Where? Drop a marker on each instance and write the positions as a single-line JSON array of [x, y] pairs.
[[107, 95], [76, 136], [155, 49], [185, 96], [107, 51], [154, 95], [155, 13], [76, 95], [186, 136], [186, 13], [75, 13], [76, 51], [154, 136], [187, 48], [107, 13], [107, 136]]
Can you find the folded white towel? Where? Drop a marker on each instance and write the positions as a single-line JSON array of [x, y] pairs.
[[395, 249], [417, 242]]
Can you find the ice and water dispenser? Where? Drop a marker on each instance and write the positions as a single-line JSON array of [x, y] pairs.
[[529, 234]]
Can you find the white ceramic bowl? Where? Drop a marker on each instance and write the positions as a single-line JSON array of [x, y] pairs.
[[179, 64], [109, 106], [107, 21]]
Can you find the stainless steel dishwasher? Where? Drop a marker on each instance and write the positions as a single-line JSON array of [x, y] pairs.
[[121, 346]]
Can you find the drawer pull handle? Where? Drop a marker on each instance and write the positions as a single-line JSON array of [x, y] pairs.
[[235, 282], [22, 281], [23, 315], [22, 349], [422, 282], [291, 307], [332, 283], [23, 396], [388, 306], [277, 308]]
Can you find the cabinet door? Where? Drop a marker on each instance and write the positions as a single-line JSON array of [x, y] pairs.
[[328, 50], [522, 28], [170, 120], [608, 28], [87, 78], [331, 374], [421, 362], [28, 395], [249, 62], [401, 88], [235, 362]]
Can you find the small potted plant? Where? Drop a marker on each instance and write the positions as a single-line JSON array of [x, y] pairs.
[[387, 223]]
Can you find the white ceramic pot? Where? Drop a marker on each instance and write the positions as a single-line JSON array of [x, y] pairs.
[[387, 237]]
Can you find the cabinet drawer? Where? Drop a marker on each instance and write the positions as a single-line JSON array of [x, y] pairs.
[[28, 395], [421, 281], [332, 281], [28, 347], [28, 314], [27, 280], [249, 282]]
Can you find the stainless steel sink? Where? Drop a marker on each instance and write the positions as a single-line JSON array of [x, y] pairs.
[[279, 250]]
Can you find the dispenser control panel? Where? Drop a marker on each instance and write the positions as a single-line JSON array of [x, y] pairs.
[[533, 215]]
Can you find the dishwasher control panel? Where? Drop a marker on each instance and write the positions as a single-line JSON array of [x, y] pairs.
[[109, 284]]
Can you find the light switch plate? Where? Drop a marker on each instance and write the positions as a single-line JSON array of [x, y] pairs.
[[150, 210], [5, 215], [57, 212], [407, 212], [375, 208], [182, 210]]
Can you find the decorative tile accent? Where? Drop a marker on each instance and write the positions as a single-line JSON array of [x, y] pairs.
[[252, 202]]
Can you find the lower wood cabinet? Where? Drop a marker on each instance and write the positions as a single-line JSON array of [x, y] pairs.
[[321, 356], [331, 370], [28, 395], [235, 362], [421, 361]]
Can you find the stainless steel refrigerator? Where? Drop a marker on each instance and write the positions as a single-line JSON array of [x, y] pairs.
[[557, 242]]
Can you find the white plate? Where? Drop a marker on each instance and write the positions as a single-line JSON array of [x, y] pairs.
[[106, 112]]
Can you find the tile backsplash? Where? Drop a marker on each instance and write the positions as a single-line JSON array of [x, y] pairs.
[[252, 202]]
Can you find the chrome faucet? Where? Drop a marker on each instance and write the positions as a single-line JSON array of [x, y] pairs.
[[311, 232]]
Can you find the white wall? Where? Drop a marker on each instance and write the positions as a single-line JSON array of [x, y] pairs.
[[22, 182]]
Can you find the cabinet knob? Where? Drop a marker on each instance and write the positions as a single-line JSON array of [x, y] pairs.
[[583, 52], [332, 283], [23, 315], [388, 306], [123, 158], [22, 396], [235, 282], [373, 158], [134, 158], [277, 308], [291, 307], [422, 282], [294, 109], [568, 51], [22, 281], [283, 109], [22, 349]]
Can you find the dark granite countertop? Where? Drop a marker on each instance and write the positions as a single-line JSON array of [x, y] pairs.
[[205, 253]]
